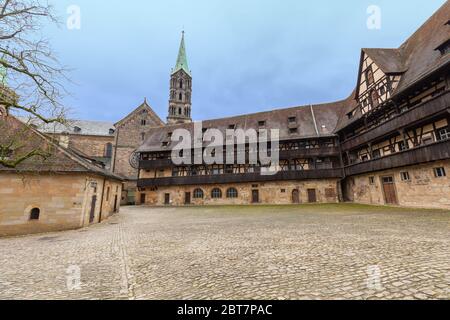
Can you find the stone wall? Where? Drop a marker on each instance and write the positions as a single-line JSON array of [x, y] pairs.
[[93, 146], [64, 201], [423, 190], [269, 193], [130, 134]]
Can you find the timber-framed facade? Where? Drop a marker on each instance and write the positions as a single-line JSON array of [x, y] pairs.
[[388, 143]]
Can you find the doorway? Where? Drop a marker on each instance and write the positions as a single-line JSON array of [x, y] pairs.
[[296, 196], [143, 198], [312, 196], [92, 213], [255, 196], [167, 198], [115, 204], [390, 196], [187, 198]]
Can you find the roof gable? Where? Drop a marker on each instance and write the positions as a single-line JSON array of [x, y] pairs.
[[143, 106]]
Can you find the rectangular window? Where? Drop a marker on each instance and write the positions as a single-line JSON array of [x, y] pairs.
[[376, 153], [232, 127], [405, 176], [292, 119], [444, 134], [372, 180], [261, 123], [283, 190], [439, 172], [293, 130], [402, 146]]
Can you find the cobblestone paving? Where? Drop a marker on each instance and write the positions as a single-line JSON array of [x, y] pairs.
[[303, 252]]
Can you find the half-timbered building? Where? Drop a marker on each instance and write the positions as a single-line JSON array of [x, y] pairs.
[[388, 143]]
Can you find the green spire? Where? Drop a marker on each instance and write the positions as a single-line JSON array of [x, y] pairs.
[[182, 63]]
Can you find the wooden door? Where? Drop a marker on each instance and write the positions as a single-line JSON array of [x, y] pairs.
[[255, 196], [390, 196], [115, 203], [312, 197], [167, 198], [187, 198], [296, 196], [143, 199], [92, 213]]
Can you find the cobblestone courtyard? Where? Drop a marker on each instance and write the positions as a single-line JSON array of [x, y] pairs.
[[303, 252]]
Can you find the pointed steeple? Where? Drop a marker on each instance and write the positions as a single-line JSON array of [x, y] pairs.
[[182, 63]]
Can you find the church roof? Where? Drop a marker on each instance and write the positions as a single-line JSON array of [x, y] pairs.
[[182, 63], [75, 127]]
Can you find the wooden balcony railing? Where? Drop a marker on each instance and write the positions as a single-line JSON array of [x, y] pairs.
[[437, 105], [243, 177], [284, 155], [437, 151]]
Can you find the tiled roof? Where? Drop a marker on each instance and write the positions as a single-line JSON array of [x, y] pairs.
[[76, 127], [62, 159], [313, 121]]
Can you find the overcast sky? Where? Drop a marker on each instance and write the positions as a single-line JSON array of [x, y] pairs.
[[245, 55]]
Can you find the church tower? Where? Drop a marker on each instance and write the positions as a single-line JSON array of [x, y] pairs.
[[180, 89]]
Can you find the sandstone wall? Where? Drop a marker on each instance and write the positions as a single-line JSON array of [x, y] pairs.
[[424, 190], [269, 193], [64, 201]]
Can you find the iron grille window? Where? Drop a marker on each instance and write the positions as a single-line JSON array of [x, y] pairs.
[[216, 193], [198, 193], [232, 193], [35, 213]]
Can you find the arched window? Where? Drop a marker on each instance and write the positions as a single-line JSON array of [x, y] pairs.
[[216, 193], [180, 97], [108, 150], [34, 214], [181, 83], [232, 193], [198, 193], [179, 111]]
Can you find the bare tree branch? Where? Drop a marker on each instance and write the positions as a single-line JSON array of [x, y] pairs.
[[34, 77]]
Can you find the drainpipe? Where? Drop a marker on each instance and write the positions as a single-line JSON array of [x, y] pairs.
[[101, 203]]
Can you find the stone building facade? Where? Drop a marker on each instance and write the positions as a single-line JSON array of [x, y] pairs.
[[130, 133], [64, 191], [387, 143]]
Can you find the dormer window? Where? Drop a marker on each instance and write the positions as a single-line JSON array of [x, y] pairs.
[[169, 135], [293, 130], [232, 127], [444, 48], [112, 131], [77, 129], [350, 115], [261, 124], [292, 119], [165, 144]]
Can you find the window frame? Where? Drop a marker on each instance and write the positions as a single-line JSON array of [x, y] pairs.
[[216, 193], [198, 193], [232, 193], [440, 172]]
